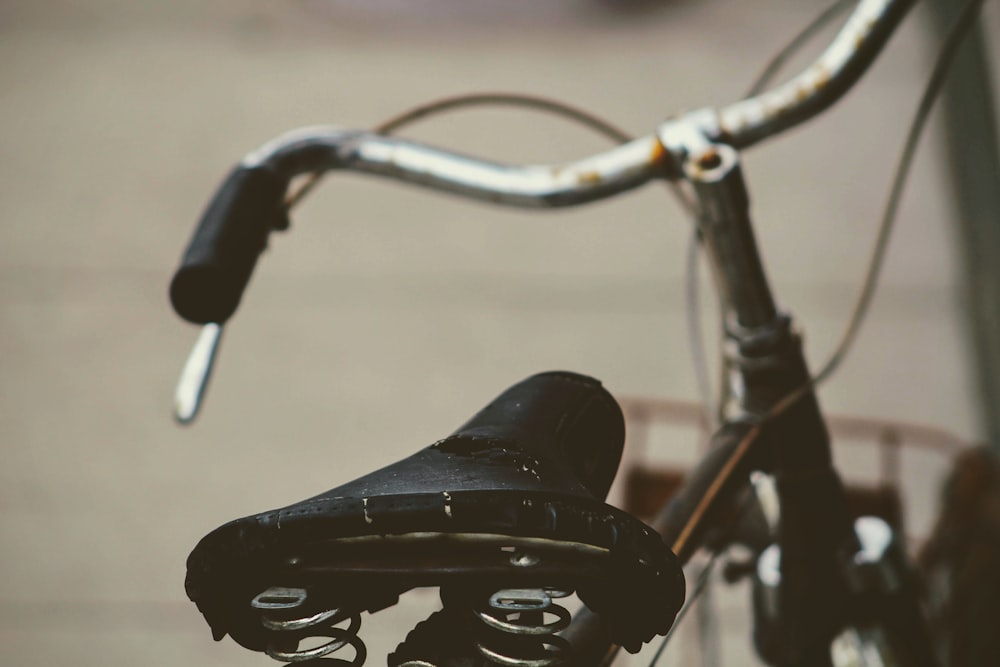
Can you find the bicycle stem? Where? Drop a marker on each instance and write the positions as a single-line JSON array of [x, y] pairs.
[[794, 446], [726, 232], [767, 365], [816, 539], [822, 552]]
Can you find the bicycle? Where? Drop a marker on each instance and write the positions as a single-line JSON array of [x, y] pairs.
[[528, 518]]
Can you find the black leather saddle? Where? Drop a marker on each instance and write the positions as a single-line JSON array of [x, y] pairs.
[[513, 499]]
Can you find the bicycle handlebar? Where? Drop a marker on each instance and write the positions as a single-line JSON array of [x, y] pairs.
[[740, 124], [223, 251]]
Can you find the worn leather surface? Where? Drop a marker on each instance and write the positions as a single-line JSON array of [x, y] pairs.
[[536, 462], [554, 432]]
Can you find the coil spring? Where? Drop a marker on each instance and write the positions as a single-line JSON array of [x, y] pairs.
[[517, 625], [279, 609]]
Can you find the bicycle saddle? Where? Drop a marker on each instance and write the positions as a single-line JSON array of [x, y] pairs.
[[512, 500]]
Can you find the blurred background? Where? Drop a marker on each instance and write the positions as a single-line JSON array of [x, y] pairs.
[[388, 315]]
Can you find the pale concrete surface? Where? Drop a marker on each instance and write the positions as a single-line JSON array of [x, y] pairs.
[[388, 315]]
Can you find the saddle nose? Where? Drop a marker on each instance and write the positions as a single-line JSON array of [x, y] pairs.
[[554, 432]]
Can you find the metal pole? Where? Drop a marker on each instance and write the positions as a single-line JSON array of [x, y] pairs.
[[974, 160]]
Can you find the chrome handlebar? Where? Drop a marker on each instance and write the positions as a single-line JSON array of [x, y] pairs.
[[659, 155], [699, 146]]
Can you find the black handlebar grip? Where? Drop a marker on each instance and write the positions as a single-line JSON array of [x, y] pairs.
[[223, 250]]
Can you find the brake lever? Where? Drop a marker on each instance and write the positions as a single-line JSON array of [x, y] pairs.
[[190, 392]]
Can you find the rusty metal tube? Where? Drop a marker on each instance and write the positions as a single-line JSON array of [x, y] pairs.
[[622, 168], [837, 69]]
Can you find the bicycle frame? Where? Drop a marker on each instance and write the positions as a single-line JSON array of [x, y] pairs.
[[826, 563]]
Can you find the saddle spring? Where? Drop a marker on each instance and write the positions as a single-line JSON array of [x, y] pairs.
[[284, 611], [517, 631]]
